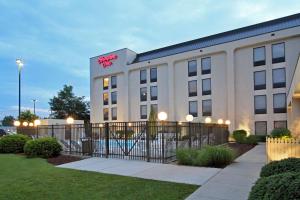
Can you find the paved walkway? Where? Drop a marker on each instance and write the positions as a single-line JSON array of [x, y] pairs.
[[235, 181], [147, 170]]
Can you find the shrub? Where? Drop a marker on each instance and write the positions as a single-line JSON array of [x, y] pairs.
[[42, 147], [277, 167], [215, 156], [186, 156], [251, 139], [239, 135], [283, 186], [281, 132], [13, 143], [260, 138]]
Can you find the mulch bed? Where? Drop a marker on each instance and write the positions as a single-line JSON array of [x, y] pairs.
[[62, 159], [240, 148]]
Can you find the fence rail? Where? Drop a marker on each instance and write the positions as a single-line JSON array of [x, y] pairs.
[[149, 141], [278, 148]]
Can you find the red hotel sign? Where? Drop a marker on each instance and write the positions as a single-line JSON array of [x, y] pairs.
[[106, 61]]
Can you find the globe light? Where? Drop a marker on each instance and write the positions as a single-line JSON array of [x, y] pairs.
[[17, 123], [227, 122], [30, 124], [100, 125], [220, 121], [129, 124], [25, 124], [37, 122], [162, 116], [189, 118], [179, 123], [207, 120], [70, 120]]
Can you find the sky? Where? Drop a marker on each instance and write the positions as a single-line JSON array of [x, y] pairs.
[[56, 38]]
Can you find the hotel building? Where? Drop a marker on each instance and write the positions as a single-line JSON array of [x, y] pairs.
[[250, 76]]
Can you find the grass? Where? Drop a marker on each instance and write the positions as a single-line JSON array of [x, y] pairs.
[[23, 178]]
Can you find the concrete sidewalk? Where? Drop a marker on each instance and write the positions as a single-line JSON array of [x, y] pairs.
[[235, 181], [147, 170]]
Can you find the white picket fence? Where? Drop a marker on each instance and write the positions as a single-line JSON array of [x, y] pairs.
[[278, 149]]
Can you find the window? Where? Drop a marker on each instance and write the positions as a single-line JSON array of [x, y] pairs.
[[206, 87], [153, 93], [278, 78], [143, 76], [280, 124], [205, 65], [192, 88], [260, 80], [114, 113], [261, 128], [279, 103], [105, 114], [113, 82], [259, 56], [192, 65], [105, 83], [143, 111], [260, 104], [114, 98], [153, 75], [105, 98], [278, 54], [193, 108], [154, 108], [143, 94], [206, 108]]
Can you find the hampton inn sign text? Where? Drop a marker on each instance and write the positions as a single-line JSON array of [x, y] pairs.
[[106, 61]]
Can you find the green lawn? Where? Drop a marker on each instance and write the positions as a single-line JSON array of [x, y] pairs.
[[22, 178]]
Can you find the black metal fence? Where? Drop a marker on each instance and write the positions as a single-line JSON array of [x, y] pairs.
[[149, 141]]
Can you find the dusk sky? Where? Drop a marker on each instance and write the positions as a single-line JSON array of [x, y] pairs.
[[56, 38]]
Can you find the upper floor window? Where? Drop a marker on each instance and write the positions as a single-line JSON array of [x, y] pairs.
[[105, 114], [105, 98], [261, 128], [153, 75], [143, 94], [193, 108], [105, 83], [278, 78], [114, 98], [192, 67], [206, 86], [206, 107], [114, 113], [260, 80], [143, 111], [278, 53], [192, 88], [279, 103], [153, 93], [205, 65], [259, 56], [260, 104], [143, 76], [113, 82]]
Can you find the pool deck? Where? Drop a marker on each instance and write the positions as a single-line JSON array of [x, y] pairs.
[[146, 170]]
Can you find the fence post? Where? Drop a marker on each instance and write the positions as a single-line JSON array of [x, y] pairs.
[[176, 134], [70, 147], [208, 133], [107, 139], [163, 142], [126, 139], [37, 131], [148, 141], [190, 135], [52, 132]]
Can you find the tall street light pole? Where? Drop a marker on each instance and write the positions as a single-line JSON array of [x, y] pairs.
[[20, 65], [34, 101]]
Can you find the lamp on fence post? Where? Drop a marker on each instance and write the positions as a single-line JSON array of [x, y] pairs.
[[162, 116], [36, 123], [70, 121], [17, 124], [190, 118], [208, 121]]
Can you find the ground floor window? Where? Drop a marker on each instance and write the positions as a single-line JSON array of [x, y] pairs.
[[105, 114], [261, 128], [193, 108], [114, 113], [280, 124], [206, 107], [143, 111]]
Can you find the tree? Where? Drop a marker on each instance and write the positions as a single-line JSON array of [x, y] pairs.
[[66, 104], [27, 116], [8, 121], [152, 123]]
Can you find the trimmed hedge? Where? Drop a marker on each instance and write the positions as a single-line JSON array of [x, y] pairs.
[[13, 143], [281, 132], [239, 135], [251, 139], [283, 186], [42, 147], [282, 166]]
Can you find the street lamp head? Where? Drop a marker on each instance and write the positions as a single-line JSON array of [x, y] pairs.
[[37, 122], [220, 121], [162, 116], [207, 120], [70, 120], [19, 63], [189, 118], [17, 123]]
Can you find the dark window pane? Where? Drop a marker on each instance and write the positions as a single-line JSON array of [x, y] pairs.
[[259, 57], [154, 107], [206, 108], [192, 68], [114, 98], [105, 98], [261, 128], [153, 75], [153, 93], [206, 86], [193, 108], [206, 65], [279, 103], [143, 94], [113, 82], [143, 76], [260, 103], [280, 124], [143, 111], [278, 78], [192, 88], [105, 114], [260, 80], [114, 113], [278, 54], [105, 83]]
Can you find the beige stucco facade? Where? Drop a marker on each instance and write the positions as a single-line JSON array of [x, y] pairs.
[[232, 82]]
